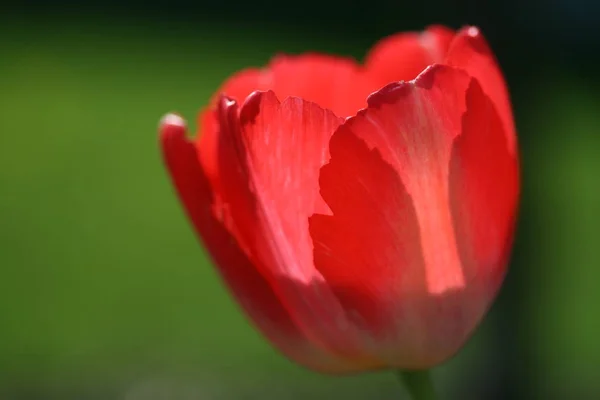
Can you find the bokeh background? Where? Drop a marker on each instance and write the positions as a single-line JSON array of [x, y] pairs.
[[104, 291]]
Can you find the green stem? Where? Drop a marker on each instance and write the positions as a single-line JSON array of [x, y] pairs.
[[418, 384]]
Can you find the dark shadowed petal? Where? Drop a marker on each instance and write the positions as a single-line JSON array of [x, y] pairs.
[[405, 55], [250, 289], [470, 51], [484, 189]]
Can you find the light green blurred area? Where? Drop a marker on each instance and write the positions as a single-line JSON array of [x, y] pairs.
[[104, 290]]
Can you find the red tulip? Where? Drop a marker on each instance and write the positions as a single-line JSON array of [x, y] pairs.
[[362, 215]]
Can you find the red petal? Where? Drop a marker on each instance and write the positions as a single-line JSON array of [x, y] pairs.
[[240, 85], [334, 83], [369, 250], [390, 249], [207, 141], [438, 39], [404, 55], [269, 167], [249, 288], [470, 51], [484, 189]]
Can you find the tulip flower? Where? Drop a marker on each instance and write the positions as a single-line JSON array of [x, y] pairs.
[[362, 215]]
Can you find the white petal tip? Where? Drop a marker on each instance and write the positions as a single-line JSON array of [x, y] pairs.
[[172, 119], [473, 31]]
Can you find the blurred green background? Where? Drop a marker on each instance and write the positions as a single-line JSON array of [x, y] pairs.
[[104, 290]]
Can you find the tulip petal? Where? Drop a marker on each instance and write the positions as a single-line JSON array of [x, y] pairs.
[[404, 55], [241, 84], [470, 51], [484, 189], [390, 249], [413, 126], [334, 83], [270, 154], [369, 250], [249, 288], [270, 159]]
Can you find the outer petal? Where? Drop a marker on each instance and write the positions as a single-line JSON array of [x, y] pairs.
[[404, 55], [470, 51], [484, 189], [269, 156], [387, 185], [245, 283]]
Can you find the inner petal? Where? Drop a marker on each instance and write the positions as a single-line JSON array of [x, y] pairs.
[[403, 56], [335, 83]]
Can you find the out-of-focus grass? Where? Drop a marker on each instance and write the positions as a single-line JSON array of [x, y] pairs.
[[100, 260]]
